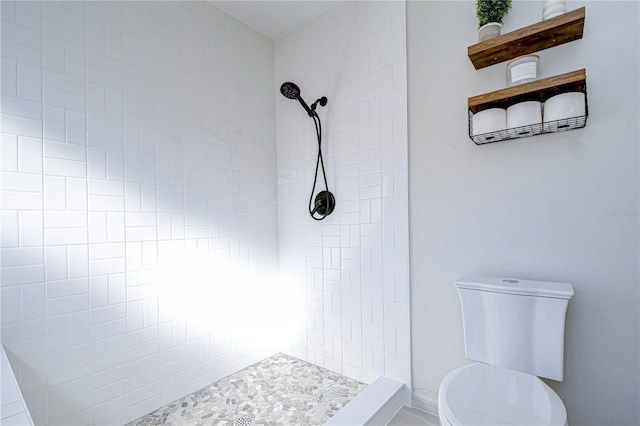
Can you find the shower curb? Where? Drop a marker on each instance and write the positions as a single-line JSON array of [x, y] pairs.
[[375, 405]]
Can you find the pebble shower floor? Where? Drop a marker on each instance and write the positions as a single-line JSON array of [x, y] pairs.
[[280, 390]]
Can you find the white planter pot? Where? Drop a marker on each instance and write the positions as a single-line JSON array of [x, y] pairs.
[[490, 30]]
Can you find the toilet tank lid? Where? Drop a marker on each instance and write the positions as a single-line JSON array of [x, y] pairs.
[[516, 286]]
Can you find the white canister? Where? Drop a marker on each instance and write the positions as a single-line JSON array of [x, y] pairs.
[[553, 8], [561, 110], [522, 69], [525, 118]]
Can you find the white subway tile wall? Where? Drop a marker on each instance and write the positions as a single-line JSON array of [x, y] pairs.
[[351, 268], [138, 182]]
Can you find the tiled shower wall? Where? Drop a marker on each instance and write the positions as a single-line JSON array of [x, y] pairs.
[[351, 268], [138, 203]]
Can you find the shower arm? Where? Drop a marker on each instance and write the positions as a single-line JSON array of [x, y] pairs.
[[322, 101]]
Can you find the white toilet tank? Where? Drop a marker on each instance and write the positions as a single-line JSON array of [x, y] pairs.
[[515, 324]]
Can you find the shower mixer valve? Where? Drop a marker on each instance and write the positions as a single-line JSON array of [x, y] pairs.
[[324, 204]]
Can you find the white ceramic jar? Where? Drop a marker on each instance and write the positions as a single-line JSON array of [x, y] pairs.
[[522, 69]]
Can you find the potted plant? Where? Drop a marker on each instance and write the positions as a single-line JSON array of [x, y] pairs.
[[490, 14]]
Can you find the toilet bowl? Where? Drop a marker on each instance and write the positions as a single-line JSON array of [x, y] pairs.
[[482, 394]]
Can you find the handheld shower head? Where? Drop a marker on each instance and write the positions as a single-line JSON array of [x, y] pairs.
[[292, 91]]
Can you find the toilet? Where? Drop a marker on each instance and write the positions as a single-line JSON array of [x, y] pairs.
[[514, 330]]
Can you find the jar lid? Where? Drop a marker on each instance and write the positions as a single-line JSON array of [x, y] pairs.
[[522, 57]]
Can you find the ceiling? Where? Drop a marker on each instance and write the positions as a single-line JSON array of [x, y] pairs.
[[274, 19]]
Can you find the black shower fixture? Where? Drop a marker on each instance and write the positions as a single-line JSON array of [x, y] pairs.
[[324, 202], [292, 91]]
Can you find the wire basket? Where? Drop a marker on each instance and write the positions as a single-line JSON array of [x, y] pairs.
[[555, 126]]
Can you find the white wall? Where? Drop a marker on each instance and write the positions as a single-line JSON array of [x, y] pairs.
[[138, 203], [351, 269], [537, 208]]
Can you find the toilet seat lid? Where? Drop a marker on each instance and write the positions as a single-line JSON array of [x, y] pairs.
[[482, 394]]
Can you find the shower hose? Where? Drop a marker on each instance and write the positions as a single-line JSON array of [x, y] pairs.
[[319, 163]]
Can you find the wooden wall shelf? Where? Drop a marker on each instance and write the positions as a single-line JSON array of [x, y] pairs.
[[539, 36], [539, 90]]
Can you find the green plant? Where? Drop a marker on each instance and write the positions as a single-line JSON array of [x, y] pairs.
[[491, 10]]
